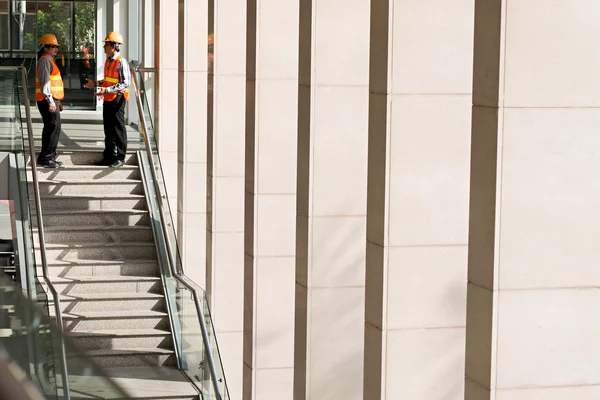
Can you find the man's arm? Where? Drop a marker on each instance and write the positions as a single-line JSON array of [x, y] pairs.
[[44, 68]]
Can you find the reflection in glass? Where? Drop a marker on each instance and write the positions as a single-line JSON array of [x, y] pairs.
[[194, 333], [32, 340]]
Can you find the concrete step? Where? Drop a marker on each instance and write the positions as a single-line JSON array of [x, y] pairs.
[[92, 202], [93, 217], [89, 157], [114, 320], [122, 339], [99, 234], [95, 172], [103, 251], [82, 302], [153, 383], [89, 186], [75, 285], [83, 396], [74, 268], [136, 357]]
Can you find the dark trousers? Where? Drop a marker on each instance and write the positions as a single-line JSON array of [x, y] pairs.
[[51, 131], [115, 134]]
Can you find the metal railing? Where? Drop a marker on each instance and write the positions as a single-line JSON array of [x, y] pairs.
[[177, 274], [40, 221]]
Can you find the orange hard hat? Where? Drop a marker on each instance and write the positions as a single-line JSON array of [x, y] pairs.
[[114, 37], [48, 38], [211, 39]]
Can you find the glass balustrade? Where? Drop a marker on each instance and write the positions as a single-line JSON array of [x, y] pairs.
[[191, 319]]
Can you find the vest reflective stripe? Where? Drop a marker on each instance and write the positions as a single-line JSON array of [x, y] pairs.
[[56, 83], [111, 78]]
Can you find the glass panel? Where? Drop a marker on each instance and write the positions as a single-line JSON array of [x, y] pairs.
[[23, 25], [74, 24], [10, 129], [32, 340], [212, 338], [4, 25], [195, 361], [189, 311], [27, 339], [83, 63]]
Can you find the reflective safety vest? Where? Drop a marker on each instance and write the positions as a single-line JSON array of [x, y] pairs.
[[111, 78], [56, 83]]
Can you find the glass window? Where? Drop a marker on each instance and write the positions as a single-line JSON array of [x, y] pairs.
[[23, 25], [4, 41], [3, 31]]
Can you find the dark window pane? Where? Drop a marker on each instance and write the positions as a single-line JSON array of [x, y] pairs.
[[4, 31]]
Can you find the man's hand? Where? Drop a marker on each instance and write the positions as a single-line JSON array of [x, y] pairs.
[[89, 84], [52, 107], [101, 91], [60, 107]]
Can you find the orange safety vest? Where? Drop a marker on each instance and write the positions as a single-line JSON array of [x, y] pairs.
[[56, 83], [111, 77]]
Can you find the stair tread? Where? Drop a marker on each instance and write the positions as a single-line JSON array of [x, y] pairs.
[[94, 196], [110, 296], [108, 278], [120, 332], [95, 228], [88, 166], [113, 314], [82, 212], [150, 382], [99, 181], [95, 244], [63, 263], [143, 350]]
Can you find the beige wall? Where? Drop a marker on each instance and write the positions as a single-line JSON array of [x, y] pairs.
[[271, 125], [225, 228], [532, 329], [345, 276], [419, 145]]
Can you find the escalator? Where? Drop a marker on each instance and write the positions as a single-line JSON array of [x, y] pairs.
[[107, 261]]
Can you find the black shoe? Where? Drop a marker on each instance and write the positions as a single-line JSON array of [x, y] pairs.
[[117, 164], [59, 163], [48, 164]]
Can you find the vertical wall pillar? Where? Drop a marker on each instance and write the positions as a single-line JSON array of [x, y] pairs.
[[270, 217], [101, 30], [331, 199], [532, 323], [417, 220], [225, 222], [120, 22], [167, 117], [192, 137]]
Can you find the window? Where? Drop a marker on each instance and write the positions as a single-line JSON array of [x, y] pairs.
[[4, 25]]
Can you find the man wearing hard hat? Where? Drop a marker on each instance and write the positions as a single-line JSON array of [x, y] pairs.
[[49, 93], [115, 90]]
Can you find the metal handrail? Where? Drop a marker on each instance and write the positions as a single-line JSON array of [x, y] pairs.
[[176, 273], [41, 232]]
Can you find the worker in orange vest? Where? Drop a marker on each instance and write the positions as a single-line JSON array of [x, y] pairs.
[[49, 93], [115, 90]]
